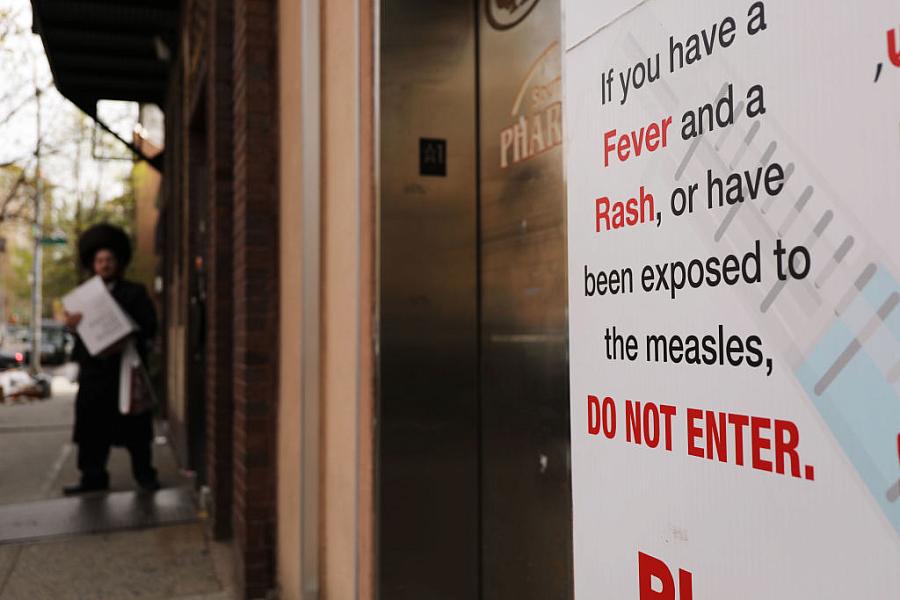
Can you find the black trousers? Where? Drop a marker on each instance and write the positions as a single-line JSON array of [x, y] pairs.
[[92, 458]]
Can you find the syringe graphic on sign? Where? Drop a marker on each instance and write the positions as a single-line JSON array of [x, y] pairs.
[[893, 494], [838, 328]]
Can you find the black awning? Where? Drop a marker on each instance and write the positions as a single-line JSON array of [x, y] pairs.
[[108, 49]]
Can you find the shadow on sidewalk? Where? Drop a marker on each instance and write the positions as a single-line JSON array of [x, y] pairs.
[[119, 545], [173, 562]]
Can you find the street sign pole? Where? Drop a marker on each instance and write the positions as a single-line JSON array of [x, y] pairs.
[[37, 279], [3, 302]]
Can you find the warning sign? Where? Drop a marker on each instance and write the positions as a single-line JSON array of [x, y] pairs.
[[733, 170]]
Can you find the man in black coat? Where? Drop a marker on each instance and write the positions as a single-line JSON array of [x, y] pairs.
[[105, 250]]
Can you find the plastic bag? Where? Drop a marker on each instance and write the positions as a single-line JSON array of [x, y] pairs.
[[136, 394]]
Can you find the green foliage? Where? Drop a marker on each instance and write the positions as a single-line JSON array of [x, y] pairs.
[[76, 162], [16, 193], [17, 281], [61, 265]]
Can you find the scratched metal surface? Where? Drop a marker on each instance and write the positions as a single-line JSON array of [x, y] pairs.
[[526, 496], [428, 446], [474, 480]]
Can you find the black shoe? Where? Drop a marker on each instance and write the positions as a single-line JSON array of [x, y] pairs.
[[84, 488], [151, 485]]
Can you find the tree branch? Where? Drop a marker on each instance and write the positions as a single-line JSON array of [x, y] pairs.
[[11, 196]]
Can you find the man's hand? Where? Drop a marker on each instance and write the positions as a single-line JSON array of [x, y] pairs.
[[72, 320]]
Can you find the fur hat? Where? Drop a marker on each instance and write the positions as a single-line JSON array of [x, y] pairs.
[[104, 237]]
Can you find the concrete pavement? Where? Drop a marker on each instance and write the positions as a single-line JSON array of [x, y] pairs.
[[36, 455], [175, 562], [169, 561]]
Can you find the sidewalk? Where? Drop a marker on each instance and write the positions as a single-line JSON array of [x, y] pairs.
[[36, 455], [173, 562], [116, 546]]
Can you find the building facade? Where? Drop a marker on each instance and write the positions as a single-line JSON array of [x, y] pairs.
[[362, 247], [364, 254]]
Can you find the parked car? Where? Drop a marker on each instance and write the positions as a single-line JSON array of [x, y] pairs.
[[15, 338], [10, 359], [55, 342]]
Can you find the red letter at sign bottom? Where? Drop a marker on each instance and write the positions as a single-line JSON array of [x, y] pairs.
[[593, 415], [650, 569]]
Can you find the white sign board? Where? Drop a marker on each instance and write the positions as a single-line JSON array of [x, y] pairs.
[[103, 322], [733, 172]]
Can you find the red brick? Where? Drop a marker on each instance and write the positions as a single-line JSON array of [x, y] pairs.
[[234, 84]]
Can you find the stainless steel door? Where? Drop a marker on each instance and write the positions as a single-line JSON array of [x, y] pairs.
[[526, 497], [474, 496], [428, 463]]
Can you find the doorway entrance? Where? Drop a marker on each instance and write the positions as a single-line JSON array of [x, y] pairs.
[[474, 496]]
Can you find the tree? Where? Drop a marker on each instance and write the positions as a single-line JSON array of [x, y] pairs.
[[16, 190], [61, 263], [84, 181]]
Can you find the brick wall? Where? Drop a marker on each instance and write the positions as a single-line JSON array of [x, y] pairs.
[[168, 231], [227, 69], [219, 351], [255, 256]]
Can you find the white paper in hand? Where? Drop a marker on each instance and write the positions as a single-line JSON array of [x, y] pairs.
[[103, 322]]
